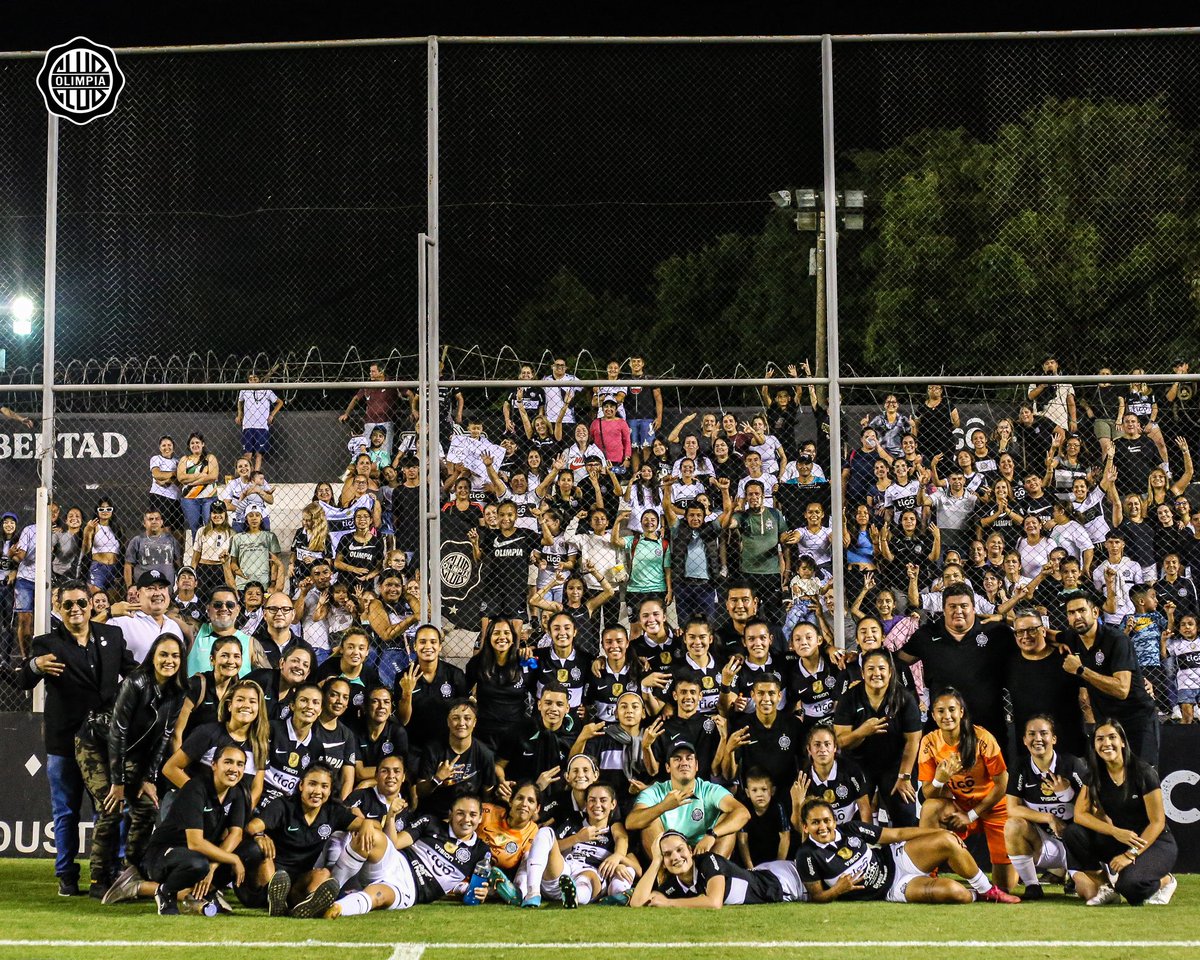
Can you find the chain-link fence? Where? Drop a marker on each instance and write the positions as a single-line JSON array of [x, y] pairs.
[[649, 219]]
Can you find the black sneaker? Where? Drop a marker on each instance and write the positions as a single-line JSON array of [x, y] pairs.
[[1034, 891], [167, 907], [317, 902], [68, 887], [277, 894], [98, 888]]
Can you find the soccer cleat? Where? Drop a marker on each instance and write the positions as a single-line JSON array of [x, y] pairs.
[[532, 901], [505, 889], [1163, 895], [124, 888], [996, 895], [615, 900], [277, 894], [566, 886], [1104, 896], [222, 904], [167, 907], [317, 902], [1034, 891]]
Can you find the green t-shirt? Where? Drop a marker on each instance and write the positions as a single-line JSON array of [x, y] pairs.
[[648, 564], [760, 537], [696, 816], [252, 551]]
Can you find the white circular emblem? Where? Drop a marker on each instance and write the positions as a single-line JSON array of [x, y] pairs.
[[842, 792], [80, 80], [981, 640], [1099, 657], [510, 847], [854, 842], [709, 726], [305, 761], [575, 674], [358, 699], [324, 831], [784, 742], [456, 569], [462, 854], [698, 814], [386, 747], [446, 689]]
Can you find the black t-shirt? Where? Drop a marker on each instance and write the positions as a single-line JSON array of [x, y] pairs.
[[355, 716], [406, 517], [533, 749], [658, 656], [573, 673], [202, 691], [196, 807], [700, 731], [1125, 805], [1134, 460], [604, 691], [304, 556], [743, 680], [430, 702], [1112, 652], [853, 850], [816, 692], [477, 768], [202, 744], [338, 747], [1182, 593], [741, 885], [591, 852], [1036, 790], [879, 754], [440, 861], [506, 559], [777, 751], [614, 754], [368, 802], [762, 830], [502, 696], [392, 739], [1139, 542], [298, 843], [842, 789], [456, 524], [1040, 507], [974, 665], [367, 555], [1042, 686], [288, 759], [532, 399]]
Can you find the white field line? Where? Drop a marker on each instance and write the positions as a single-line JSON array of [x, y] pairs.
[[413, 951]]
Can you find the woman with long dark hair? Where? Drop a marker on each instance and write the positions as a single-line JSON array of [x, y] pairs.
[[497, 681], [206, 690], [103, 542], [1119, 842], [965, 781], [878, 725]]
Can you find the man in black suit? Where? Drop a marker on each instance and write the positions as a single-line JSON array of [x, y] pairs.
[[82, 664]]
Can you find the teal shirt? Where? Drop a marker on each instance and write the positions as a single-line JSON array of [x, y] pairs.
[[760, 539], [648, 565], [200, 656], [695, 817]]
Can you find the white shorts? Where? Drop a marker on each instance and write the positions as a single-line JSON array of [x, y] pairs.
[[572, 869], [906, 873], [1053, 855], [789, 878], [392, 871]]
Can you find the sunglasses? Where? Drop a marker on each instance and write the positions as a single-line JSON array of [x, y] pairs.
[[223, 604], [104, 509], [72, 604]]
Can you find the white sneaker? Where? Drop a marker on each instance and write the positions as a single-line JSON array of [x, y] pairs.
[[1104, 896], [1165, 892]]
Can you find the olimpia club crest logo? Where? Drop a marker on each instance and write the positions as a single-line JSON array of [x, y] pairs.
[[80, 80]]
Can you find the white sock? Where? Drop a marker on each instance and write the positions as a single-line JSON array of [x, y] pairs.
[[539, 854], [521, 881], [980, 883], [583, 890], [618, 885], [355, 905], [1025, 868], [348, 865]]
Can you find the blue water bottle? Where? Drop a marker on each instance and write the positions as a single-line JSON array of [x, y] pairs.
[[479, 877]]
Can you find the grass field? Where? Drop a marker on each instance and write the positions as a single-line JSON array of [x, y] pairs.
[[35, 923]]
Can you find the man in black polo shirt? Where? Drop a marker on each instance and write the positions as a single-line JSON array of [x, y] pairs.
[[741, 606], [705, 731], [544, 742], [1037, 684], [958, 652], [1103, 658]]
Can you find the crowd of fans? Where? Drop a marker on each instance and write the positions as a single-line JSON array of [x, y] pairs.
[[659, 709]]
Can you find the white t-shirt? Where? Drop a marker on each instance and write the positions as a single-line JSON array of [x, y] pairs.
[[610, 393], [769, 450], [170, 491], [1033, 558], [1128, 573], [141, 631], [557, 396], [256, 408], [769, 483], [1052, 404], [27, 542]]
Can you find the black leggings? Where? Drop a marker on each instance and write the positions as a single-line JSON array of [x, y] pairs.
[[1087, 850], [901, 813], [177, 868]]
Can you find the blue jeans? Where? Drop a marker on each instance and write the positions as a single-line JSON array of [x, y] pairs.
[[694, 598], [66, 798], [392, 662], [641, 432], [195, 511]]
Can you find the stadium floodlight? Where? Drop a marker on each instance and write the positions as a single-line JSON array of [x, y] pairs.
[[854, 202], [21, 310], [782, 198]]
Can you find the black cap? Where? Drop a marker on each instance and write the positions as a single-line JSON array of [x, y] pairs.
[[683, 746], [804, 458], [153, 578]]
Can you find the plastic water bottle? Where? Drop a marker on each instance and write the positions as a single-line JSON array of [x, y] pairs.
[[479, 877]]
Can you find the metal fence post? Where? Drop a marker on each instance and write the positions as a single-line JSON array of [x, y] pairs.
[[431, 414], [836, 507], [41, 614]]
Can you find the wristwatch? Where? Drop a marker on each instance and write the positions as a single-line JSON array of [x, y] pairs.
[[712, 833], [1079, 672], [904, 776]]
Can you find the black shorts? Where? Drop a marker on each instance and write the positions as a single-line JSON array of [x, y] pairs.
[[509, 607]]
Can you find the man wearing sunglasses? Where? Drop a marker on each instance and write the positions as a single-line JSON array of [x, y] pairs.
[[223, 607], [82, 664]]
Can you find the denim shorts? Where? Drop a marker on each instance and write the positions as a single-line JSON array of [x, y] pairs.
[[23, 596], [641, 432], [1181, 695]]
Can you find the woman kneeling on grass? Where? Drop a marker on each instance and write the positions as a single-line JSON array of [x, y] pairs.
[[863, 861], [192, 851], [678, 878], [1119, 840]]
